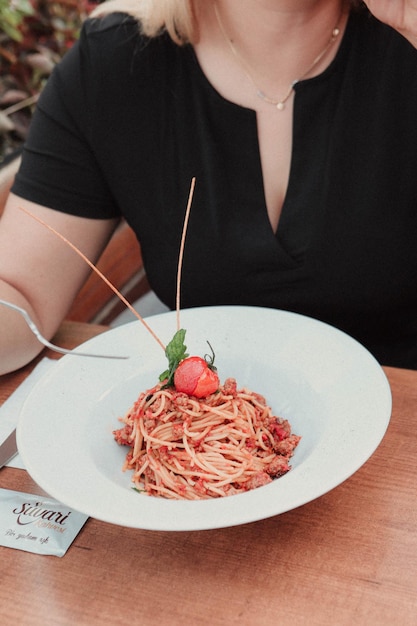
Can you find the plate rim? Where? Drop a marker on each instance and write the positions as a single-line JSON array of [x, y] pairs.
[[195, 515]]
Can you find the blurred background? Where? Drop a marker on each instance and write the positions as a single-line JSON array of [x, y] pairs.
[[34, 35]]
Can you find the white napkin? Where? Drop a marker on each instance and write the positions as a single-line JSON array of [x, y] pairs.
[[10, 410]]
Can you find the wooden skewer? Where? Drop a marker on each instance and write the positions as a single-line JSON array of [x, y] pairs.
[[110, 284], [181, 254]]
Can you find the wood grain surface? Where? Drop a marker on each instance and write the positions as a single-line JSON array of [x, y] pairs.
[[347, 559]]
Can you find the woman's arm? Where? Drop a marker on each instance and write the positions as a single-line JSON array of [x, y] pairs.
[[40, 273], [400, 14]]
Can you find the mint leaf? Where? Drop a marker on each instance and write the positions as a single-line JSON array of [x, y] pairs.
[[175, 353]]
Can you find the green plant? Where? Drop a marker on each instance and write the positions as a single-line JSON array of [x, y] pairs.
[[34, 36], [11, 15]]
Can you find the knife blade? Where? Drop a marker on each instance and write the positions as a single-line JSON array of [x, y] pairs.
[[8, 449]]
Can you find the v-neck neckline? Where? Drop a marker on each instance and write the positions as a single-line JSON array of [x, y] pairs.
[[295, 228]]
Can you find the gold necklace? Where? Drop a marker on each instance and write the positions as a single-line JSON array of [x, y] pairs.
[[279, 104]]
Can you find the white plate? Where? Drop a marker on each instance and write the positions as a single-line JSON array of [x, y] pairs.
[[331, 389]]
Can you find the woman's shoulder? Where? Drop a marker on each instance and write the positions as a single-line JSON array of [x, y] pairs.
[[377, 57], [384, 40], [117, 31], [113, 25], [115, 41]]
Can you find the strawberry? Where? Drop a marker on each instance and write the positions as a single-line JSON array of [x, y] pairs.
[[195, 377]]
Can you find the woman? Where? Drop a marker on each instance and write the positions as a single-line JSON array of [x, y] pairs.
[[298, 120]]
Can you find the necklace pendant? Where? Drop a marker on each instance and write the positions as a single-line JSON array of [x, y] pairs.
[[280, 104]]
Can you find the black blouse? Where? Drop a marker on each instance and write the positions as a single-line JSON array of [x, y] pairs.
[[124, 124]]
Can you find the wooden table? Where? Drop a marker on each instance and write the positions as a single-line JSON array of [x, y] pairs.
[[346, 559]]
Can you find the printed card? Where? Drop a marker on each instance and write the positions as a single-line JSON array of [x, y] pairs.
[[37, 524]]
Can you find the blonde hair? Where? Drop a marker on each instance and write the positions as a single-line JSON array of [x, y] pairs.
[[176, 17]]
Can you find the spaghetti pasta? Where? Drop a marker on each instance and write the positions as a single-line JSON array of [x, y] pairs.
[[184, 447]]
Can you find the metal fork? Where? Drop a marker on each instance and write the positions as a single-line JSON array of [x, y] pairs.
[[47, 343]]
